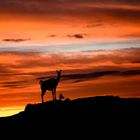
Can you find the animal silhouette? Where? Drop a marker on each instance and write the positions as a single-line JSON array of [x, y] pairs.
[[50, 85], [61, 97]]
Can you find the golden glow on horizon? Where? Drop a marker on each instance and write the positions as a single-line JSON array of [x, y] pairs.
[[5, 112]]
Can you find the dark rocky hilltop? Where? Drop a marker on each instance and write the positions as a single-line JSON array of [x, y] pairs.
[[79, 111]]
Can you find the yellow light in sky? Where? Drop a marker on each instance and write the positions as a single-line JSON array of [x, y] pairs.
[[10, 111]]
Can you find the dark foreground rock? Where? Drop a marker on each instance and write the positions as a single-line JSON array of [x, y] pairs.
[[53, 114]]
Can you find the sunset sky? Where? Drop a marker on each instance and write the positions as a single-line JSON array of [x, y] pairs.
[[96, 44]]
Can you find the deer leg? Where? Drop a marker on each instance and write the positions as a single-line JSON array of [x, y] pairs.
[[42, 98], [42, 95], [53, 95]]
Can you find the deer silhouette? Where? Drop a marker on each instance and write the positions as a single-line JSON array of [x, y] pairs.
[[50, 85]]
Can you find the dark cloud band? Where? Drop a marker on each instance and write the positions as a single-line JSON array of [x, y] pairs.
[[73, 8], [15, 40]]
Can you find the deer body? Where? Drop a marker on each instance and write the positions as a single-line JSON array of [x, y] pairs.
[[50, 85]]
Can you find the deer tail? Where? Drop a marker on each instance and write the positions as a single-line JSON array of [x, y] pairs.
[[40, 82]]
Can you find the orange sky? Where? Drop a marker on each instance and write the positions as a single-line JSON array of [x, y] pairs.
[[19, 84], [40, 22], [84, 37]]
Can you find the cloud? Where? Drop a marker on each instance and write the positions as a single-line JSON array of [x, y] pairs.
[[138, 61], [86, 76], [90, 73], [53, 35], [89, 9], [32, 60], [94, 75], [97, 23], [94, 25], [14, 84], [25, 69], [132, 35], [15, 40], [78, 36], [129, 73]]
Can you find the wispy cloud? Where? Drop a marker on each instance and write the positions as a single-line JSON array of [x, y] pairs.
[[97, 23], [137, 61], [132, 35], [70, 8], [52, 35], [15, 40], [78, 36], [95, 75], [89, 73], [26, 67]]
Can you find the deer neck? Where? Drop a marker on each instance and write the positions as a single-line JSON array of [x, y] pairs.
[[58, 78]]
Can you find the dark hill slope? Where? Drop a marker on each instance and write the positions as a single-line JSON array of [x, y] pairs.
[[61, 113]]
